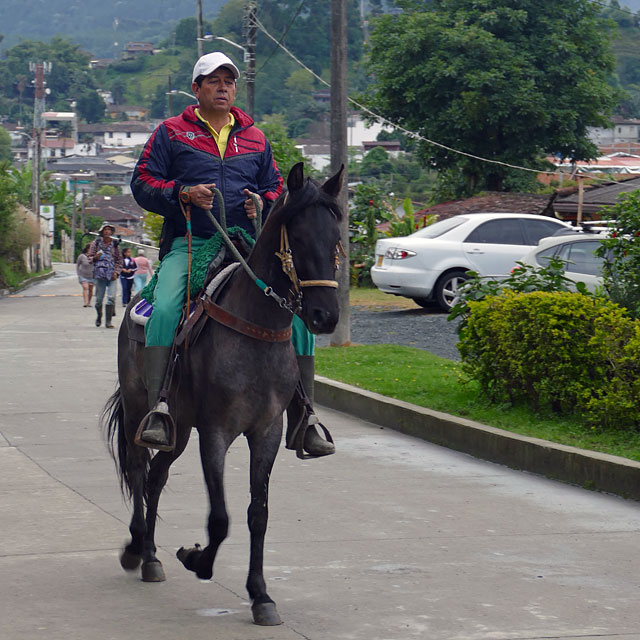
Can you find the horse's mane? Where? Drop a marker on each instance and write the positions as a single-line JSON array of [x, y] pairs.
[[289, 202]]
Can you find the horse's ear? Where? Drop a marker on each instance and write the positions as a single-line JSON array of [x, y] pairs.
[[333, 185], [295, 180]]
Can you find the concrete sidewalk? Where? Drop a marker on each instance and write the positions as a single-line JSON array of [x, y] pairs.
[[392, 538]]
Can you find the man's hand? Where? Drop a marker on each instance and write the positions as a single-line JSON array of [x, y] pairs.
[[249, 205], [202, 195]]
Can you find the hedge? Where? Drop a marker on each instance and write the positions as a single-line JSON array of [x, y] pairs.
[[561, 351]]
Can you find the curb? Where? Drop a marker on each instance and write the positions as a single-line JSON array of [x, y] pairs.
[[26, 283], [588, 469]]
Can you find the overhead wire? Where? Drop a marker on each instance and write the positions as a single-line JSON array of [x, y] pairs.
[[407, 132], [282, 37]]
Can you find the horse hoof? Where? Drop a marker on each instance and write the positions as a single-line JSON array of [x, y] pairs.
[[129, 561], [266, 614], [153, 572], [189, 557]]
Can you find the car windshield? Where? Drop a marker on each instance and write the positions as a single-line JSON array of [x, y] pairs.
[[439, 228]]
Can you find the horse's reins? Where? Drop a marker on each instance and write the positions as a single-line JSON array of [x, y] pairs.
[[286, 258], [285, 255]]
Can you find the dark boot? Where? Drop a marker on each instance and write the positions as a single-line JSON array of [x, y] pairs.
[[156, 431], [301, 417], [99, 318], [109, 310]]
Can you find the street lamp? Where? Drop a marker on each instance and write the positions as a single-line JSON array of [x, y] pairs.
[[208, 38], [174, 92]]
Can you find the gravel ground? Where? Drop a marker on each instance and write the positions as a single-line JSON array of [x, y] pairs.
[[422, 328]]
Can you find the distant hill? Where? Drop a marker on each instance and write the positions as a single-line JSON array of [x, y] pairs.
[[95, 24]]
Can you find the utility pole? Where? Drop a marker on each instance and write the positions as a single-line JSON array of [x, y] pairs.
[[200, 34], [39, 68], [170, 94], [250, 32], [342, 334], [74, 219]]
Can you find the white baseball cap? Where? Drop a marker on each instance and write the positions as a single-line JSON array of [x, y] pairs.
[[210, 62]]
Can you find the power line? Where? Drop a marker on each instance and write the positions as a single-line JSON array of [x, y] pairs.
[[407, 132], [608, 6], [282, 37]]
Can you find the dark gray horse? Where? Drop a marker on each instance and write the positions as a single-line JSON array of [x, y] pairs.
[[230, 384]]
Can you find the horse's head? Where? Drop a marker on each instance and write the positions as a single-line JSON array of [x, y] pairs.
[[309, 216]]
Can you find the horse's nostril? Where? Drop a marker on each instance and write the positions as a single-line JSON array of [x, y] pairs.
[[321, 318]]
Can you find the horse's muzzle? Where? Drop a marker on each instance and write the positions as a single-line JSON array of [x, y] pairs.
[[322, 320]]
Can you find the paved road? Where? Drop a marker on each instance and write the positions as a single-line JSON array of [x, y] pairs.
[[390, 539]]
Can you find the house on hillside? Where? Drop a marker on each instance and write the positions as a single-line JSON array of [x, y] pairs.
[[128, 111], [135, 49]]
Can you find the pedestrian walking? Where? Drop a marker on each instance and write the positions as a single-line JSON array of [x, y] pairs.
[[84, 270], [106, 258], [126, 275], [143, 272]]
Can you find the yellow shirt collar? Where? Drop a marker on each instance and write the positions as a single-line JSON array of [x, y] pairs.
[[221, 138]]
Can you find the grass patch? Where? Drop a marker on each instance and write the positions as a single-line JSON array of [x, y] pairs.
[[419, 377], [374, 298]]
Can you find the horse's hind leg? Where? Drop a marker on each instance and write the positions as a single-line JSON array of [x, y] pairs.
[[263, 453], [136, 462]]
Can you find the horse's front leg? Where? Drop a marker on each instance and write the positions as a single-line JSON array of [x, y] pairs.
[[264, 447], [213, 450], [152, 570]]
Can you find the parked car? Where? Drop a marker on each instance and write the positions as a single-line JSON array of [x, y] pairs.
[[430, 264], [577, 251]]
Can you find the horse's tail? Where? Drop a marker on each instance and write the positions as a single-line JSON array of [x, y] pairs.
[[112, 421]]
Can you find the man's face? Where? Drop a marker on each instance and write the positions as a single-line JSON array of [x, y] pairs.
[[217, 92]]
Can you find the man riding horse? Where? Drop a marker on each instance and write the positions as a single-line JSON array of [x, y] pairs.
[[212, 145]]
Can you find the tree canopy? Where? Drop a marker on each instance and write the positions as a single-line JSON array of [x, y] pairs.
[[497, 79]]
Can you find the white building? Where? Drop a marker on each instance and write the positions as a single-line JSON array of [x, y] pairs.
[[117, 135], [623, 131]]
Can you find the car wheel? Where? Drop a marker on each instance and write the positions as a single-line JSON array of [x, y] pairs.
[[447, 289]]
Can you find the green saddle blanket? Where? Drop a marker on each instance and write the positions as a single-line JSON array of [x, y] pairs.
[[200, 262]]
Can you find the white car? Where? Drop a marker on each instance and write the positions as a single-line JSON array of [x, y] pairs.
[[577, 251], [430, 264]]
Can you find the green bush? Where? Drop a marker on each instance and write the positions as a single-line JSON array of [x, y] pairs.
[[621, 270], [617, 404], [549, 350]]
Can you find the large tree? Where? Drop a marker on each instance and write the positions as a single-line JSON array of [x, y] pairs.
[[505, 80]]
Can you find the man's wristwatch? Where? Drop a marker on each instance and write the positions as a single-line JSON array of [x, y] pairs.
[[185, 195]]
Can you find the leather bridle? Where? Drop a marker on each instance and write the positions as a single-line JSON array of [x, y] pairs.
[[286, 258]]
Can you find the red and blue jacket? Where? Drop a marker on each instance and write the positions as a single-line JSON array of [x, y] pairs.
[[182, 152]]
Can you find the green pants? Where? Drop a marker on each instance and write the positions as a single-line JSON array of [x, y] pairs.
[[170, 296]]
